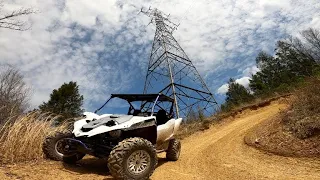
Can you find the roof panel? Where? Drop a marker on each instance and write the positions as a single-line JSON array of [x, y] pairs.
[[142, 97]]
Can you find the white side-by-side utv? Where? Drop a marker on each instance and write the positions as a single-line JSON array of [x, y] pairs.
[[130, 142]]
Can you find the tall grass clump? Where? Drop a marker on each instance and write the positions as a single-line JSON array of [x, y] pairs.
[[21, 138]]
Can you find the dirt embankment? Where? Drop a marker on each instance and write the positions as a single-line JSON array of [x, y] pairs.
[[295, 131], [270, 136], [217, 153]]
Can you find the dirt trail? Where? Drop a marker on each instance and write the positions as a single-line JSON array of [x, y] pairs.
[[218, 153]]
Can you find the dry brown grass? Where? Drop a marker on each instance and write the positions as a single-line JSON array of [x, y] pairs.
[[303, 117], [21, 139]]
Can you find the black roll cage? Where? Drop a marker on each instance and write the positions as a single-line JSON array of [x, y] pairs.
[[145, 99]]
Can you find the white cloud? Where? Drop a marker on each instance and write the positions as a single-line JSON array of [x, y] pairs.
[[243, 81], [223, 89], [69, 38], [275, 4], [250, 71]]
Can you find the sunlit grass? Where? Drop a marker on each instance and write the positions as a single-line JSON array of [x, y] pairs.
[[21, 138]]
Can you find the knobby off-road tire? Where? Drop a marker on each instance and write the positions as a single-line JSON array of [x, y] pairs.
[[133, 158], [174, 149], [51, 151]]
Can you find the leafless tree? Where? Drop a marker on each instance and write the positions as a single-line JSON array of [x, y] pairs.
[[312, 38], [11, 20], [14, 93], [309, 44]]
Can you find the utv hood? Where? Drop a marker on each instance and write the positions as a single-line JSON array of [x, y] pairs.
[[108, 121]]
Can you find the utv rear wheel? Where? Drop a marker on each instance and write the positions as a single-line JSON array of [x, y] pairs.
[[174, 149], [133, 158], [55, 147]]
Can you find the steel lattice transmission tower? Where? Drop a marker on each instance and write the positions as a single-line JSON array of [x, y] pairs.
[[172, 73]]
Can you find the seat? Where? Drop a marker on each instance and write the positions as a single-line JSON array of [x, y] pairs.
[[161, 117], [136, 112]]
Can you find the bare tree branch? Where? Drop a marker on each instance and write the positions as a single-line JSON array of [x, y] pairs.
[[11, 21], [308, 45], [312, 37]]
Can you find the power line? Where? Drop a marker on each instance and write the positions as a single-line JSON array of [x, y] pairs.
[[187, 11]]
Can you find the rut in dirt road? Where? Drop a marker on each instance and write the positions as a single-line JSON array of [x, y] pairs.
[[217, 153]]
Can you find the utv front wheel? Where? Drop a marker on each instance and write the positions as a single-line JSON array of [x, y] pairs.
[[174, 149], [133, 158], [57, 147]]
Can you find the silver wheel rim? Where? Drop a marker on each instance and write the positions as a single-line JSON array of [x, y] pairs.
[[138, 162], [58, 146]]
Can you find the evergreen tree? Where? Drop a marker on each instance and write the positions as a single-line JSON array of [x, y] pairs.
[[294, 60], [65, 101], [270, 76], [237, 94], [296, 63], [284, 69]]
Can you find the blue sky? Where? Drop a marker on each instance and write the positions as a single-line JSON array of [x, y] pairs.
[[105, 45]]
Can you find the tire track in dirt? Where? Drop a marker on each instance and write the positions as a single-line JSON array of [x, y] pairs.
[[217, 153]]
